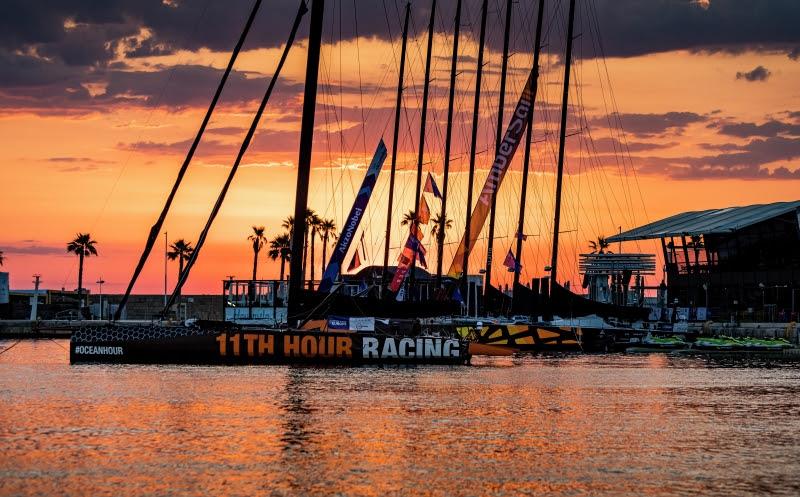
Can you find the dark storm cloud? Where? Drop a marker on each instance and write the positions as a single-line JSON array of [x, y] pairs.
[[760, 73], [768, 129], [627, 27]]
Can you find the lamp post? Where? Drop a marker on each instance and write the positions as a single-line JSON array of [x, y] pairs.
[[37, 278], [100, 283]]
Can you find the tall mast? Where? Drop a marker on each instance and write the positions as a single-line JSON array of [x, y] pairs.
[[528, 138], [397, 111], [155, 230], [242, 150], [561, 143], [421, 153], [304, 159], [473, 145], [498, 140], [447, 143]]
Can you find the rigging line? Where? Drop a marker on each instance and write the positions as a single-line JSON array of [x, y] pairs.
[[155, 230], [245, 144], [10, 347]]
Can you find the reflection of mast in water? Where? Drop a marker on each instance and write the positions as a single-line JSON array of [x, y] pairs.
[[296, 435]]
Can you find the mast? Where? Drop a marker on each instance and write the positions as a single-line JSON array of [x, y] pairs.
[[397, 110], [242, 150], [421, 153], [304, 159], [528, 138], [447, 143], [561, 143], [155, 230], [498, 140], [474, 144]]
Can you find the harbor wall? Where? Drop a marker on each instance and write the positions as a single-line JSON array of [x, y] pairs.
[[788, 331], [139, 307]]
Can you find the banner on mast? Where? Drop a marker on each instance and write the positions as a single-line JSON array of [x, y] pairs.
[[413, 249], [514, 135], [334, 267]]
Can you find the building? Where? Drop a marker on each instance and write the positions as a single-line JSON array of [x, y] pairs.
[[736, 262]]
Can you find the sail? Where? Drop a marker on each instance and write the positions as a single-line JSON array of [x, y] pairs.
[[511, 140], [350, 227]]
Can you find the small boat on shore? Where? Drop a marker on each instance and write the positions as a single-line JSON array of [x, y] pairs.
[[670, 342]]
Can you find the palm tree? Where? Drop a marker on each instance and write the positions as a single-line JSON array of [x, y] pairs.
[[281, 246], [288, 225], [437, 222], [600, 246], [408, 218], [697, 245], [312, 224], [258, 239], [326, 230], [82, 246], [309, 218], [181, 250], [436, 233]]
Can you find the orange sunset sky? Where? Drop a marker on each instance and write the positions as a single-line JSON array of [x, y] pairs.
[[98, 105]]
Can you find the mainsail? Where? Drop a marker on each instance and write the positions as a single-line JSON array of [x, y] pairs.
[[511, 140], [350, 227]]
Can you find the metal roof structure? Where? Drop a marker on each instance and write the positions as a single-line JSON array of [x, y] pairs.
[[712, 221], [609, 263]]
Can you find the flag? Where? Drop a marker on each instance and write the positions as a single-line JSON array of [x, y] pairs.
[[401, 294], [430, 187], [350, 227], [355, 262], [424, 213], [510, 262], [411, 250], [362, 287], [515, 132], [457, 296]]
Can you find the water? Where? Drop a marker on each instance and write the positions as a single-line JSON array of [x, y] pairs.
[[575, 425]]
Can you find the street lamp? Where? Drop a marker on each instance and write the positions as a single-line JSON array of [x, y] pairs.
[[100, 282]]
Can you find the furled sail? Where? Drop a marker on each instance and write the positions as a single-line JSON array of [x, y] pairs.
[[350, 227], [513, 136]]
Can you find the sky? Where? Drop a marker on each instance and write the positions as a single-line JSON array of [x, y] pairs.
[[675, 105]]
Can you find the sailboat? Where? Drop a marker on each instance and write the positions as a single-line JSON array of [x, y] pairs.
[[207, 342]]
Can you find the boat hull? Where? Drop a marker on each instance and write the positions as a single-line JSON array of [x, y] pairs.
[[155, 344]]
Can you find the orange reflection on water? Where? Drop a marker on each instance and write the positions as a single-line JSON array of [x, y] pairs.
[[574, 425]]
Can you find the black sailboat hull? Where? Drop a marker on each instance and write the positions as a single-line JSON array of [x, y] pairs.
[[234, 345]]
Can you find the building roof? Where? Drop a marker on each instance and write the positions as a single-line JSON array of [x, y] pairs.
[[712, 221]]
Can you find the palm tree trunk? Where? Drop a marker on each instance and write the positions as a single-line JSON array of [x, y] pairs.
[[80, 283], [255, 264], [305, 256], [313, 270], [180, 272], [324, 251], [283, 265]]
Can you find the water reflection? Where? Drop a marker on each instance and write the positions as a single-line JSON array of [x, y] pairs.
[[565, 425]]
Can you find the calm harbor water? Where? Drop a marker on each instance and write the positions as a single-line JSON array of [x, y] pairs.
[[574, 425]]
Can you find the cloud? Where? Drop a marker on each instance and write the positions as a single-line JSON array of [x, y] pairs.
[[649, 125], [612, 145], [795, 53], [760, 73], [747, 161], [768, 129], [30, 247]]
